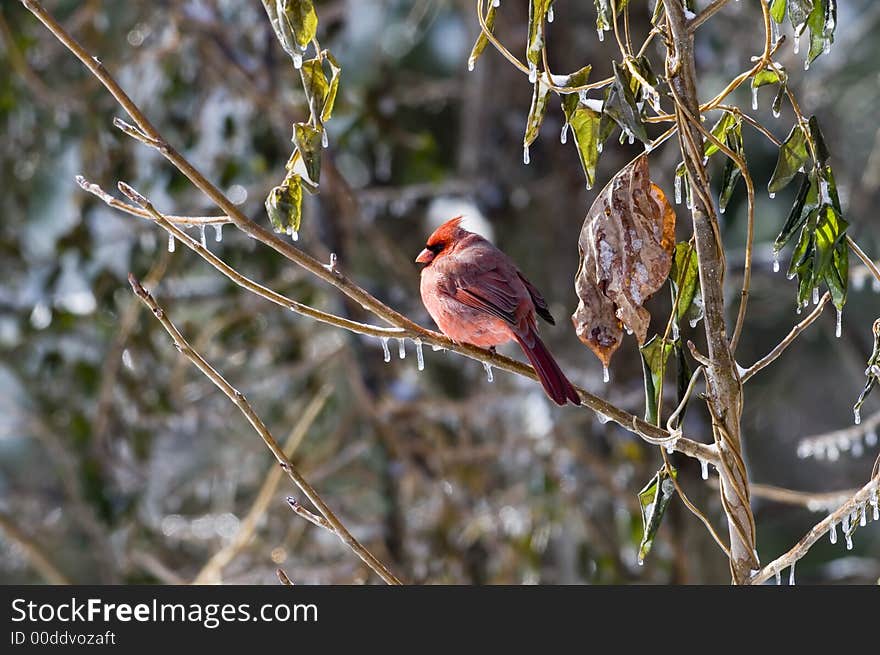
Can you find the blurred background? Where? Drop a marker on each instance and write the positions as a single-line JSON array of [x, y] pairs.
[[121, 463]]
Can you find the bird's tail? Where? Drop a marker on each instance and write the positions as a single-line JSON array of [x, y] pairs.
[[552, 378]]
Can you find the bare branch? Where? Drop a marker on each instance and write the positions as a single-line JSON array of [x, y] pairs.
[[34, 552], [239, 400], [770, 357]]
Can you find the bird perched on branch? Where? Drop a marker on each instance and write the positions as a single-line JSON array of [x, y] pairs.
[[477, 295]]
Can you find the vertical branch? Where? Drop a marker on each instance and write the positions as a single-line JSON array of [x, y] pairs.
[[723, 385]]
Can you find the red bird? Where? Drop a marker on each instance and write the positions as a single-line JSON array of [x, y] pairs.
[[477, 295]]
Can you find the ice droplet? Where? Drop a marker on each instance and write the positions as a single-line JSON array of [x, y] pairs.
[[776, 112], [526, 158], [677, 189], [704, 469], [496, 3], [325, 140], [601, 34], [833, 533], [791, 574], [488, 368], [550, 15], [202, 239], [875, 505], [754, 98], [849, 543], [471, 63], [863, 518], [871, 438], [293, 234], [602, 418], [778, 576], [857, 416], [606, 375], [385, 351], [772, 195], [839, 328], [401, 347], [806, 64], [815, 295], [420, 357], [563, 136], [170, 242], [775, 261], [533, 73], [218, 232], [297, 60], [797, 42]]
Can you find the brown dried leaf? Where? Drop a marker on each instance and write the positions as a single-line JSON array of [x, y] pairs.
[[626, 246]]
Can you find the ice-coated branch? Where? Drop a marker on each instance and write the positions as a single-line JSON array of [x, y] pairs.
[[830, 444], [770, 357], [283, 460], [860, 499]]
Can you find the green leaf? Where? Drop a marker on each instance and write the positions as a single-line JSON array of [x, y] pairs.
[[829, 233], [792, 156], [655, 354], [837, 275], [482, 39], [284, 205], [727, 122], [571, 100], [777, 10], [330, 96], [821, 150], [872, 372], [537, 17], [683, 374], [653, 500], [620, 105], [769, 75], [797, 216], [315, 85], [585, 124], [731, 173], [684, 276], [822, 22], [540, 97], [307, 140]]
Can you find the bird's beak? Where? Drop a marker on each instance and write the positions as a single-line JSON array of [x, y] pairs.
[[425, 257]]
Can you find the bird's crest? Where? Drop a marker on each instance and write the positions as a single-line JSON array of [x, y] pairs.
[[446, 233]]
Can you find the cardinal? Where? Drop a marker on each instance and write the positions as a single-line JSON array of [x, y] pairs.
[[477, 295]]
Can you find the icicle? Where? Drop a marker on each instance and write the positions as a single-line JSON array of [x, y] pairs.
[[297, 60], [833, 533], [677, 189], [774, 31], [488, 367], [839, 329], [550, 15], [693, 322], [844, 524], [606, 375], [798, 310], [778, 578], [827, 47], [420, 358], [170, 242], [602, 418], [797, 42], [471, 63], [721, 209], [875, 505], [325, 140], [202, 238], [871, 437], [857, 415], [526, 158], [218, 232], [815, 295], [401, 348], [533, 73], [863, 518], [775, 261], [631, 138], [496, 3], [601, 34], [754, 98], [599, 149], [385, 350], [849, 543], [704, 469], [563, 136], [293, 234], [791, 574], [806, 64], [772, 195], [776, 112]]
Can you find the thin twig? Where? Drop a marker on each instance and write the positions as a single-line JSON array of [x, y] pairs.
[[34, 552], [837, 439], [213, 569], [770, 357], [706, 14], [814, 501], [239, 400], [800, 549], [867, 261]]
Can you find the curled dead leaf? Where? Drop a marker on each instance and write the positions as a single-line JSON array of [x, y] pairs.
[[625, 246]]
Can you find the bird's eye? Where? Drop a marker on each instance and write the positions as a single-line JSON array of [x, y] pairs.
[[435, 248]]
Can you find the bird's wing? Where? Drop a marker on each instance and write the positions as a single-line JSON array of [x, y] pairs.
[[485, 281], [538, 299]]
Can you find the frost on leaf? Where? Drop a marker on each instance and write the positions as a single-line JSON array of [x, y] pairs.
[[625, 246]]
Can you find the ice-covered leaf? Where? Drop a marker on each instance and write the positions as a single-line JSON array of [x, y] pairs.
[[537, 27], [585, 124], [777, 10], [604, 15], [620, 104], [684, 276], [821, 21], [793, 155], [540, 97], [682, 377], [482, 40], [655, 355], [798, 12], [653, 500], [872, 372], [769, 75], [307, 141], [804, 202], [727, 122], [284, 205], [298, 20], [625, 245], [330, 96]]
